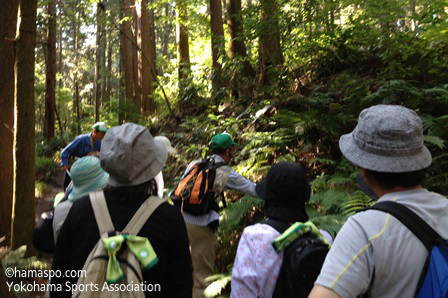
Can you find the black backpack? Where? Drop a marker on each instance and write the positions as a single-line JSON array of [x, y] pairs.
[[194, 193], [302, 262]]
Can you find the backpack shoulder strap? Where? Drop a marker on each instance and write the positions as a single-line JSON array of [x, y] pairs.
[[216, 164], [412, 221], [101, 212], [141, 216]]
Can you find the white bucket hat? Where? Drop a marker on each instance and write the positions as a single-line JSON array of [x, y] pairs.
[[387, 139], [130, 155], [166, 142]]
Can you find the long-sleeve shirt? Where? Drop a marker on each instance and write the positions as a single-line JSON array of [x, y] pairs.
[[236, 182], [79, 147]]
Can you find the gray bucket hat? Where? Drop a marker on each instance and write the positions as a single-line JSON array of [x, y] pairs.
[[387, 139], [130, 155]]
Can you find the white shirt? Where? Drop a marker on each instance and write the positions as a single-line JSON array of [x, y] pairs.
[[160, 184]]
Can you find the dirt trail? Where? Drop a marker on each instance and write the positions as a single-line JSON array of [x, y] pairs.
[[56, 184]]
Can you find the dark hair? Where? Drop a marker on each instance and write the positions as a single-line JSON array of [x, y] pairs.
[[145, 189], [219, 150], [391, 180]]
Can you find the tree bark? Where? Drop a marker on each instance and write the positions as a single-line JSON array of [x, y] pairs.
[[135, 60], [60, 66], [103, 44], [8, 23], [50, 91], [146, 58], [98, 71], [121, 89], [76, 102], [237, 48], [217, 30], [126, 42], [183, 49], [141, 74], [109, 69], [24, 136], [270, 54], [152, 60], [183, 52]]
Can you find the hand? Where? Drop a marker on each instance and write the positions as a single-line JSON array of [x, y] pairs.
[[65, 168]]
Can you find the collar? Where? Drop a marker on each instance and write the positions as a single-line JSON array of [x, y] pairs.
[[286, 214], [392, 196], [217, 158]]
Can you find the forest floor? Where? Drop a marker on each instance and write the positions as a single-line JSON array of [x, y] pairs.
[[56, 186]]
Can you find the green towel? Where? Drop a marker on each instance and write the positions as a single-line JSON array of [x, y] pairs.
[[295, 231], [140, 247]]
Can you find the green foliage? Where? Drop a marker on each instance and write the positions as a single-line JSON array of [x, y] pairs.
[[45, 167], [220, 281], [16, 259], [40, 188], [340, 57]]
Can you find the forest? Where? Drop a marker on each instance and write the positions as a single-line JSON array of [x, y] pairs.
[[285, 77]]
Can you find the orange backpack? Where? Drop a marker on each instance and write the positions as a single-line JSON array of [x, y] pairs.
[[194, 193]]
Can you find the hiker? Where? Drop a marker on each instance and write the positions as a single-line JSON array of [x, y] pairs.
[[374, 253], [132, 158], [87, 176], [257, 265], [202, 227], [159, 177], [82, 145]]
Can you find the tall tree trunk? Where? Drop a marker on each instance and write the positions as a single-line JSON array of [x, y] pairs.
[[121, 89], [136, 60], [126, 36], [76, 102], [183, 52], [24, 134], [152, 60], [218, 49], [60, 66], [50, 91], [146, 58], [8, 23], [270, 54], [109, 70], [168, 28], [103, 44], [237, 48], [99, 36], [140, 72], [183, 49]]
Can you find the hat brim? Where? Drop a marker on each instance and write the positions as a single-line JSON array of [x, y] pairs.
[[78, 192], [260, 189], [150, 172], [172, 150], [101, 129], [224, 146], [380, 163]]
